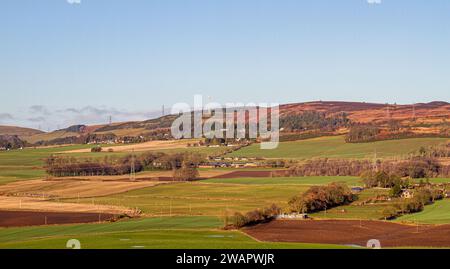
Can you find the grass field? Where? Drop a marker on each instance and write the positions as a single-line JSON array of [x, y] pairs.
[[437, 213], [433, 180], [355, 211], [28, 163], [351, 181], [335, 147], [214, 197], [198, 198], [151, 233]]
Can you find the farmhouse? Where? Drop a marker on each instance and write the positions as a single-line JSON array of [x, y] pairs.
[[292, 216], [407, 194]]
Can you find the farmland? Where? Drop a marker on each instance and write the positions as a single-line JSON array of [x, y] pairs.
[[28, 163], [154, 233], [355, 210], [198, 198], [182, 214], [336, 147], [352, 181], [352, 232], [437, 213]]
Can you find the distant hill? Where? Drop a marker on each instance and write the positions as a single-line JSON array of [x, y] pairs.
[[370, 112], [19, 131], [421, 117]]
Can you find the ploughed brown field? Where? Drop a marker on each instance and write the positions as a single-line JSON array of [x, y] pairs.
[[26, 218], [351, 232]]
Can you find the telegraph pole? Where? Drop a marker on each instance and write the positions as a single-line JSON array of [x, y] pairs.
[[133, 168], [375, 165]]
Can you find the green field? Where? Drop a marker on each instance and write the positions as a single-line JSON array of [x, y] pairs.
[[437, 213], [355, 211], [215, 197], [28, 163], [351, 181], [335, 147], [151, 233], [198, 198], [433, 180]]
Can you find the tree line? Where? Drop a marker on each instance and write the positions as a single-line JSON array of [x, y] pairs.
[[414, 167], [184, 165], [319, 198], [312, 120]]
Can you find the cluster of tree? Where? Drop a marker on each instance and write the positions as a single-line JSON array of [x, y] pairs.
[[362, 133], [62, 166], [415, 167], [441, 151], [276, 163], [184, 165], [82, 139], [422, 197], [96, 149], [390, 135], [382, 179], [294, 136], [239, 220], [313, 120], [105, 138], [330, 167], [11, 142], [319, 198]]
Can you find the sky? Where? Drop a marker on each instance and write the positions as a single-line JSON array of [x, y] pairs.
[[65, 62]]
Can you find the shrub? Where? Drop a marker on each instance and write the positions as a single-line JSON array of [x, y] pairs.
[[96, 149], [319, 198], [390, 212], [254, 217], [362, 133], [185, 173]]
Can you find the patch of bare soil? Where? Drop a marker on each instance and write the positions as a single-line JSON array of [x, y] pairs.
[[26, 218], [351, 232]]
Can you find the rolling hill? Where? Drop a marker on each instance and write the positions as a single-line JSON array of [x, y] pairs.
[[424, 118], [19, 131]]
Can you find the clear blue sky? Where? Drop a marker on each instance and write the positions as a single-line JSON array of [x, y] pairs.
[[128, 57]]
